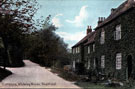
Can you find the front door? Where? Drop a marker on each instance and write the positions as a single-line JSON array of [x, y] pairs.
[[129, 66]]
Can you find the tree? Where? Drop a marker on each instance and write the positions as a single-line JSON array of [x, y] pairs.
[[47, 48], [15, 21]]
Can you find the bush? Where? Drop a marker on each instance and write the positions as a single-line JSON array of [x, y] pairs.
[[80, 69]]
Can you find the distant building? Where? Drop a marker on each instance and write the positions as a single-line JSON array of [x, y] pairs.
[[82, 49]]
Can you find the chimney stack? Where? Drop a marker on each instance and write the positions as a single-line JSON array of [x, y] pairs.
[[112, 10], [100, 20], [89, 29]]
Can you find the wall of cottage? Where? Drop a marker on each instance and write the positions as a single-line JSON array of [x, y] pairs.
[[89, 56], [77, 56], [126, 45]]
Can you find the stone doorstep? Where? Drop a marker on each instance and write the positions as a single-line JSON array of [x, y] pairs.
[[113, 83]]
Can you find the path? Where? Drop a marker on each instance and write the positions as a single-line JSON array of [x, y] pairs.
[[34, 76]]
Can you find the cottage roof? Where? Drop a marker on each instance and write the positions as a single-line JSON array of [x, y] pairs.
[[85, 39], [91, 39], [119, 11]]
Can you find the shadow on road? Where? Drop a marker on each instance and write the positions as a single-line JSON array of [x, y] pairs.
[[4, 74]]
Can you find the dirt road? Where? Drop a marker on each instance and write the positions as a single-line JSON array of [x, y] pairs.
[[34, 76]]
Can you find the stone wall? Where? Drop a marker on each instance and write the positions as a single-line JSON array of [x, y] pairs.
[[126, 45]]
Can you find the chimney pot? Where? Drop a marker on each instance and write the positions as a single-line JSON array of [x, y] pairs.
[[101, 19], [89, 29], [112, 10]]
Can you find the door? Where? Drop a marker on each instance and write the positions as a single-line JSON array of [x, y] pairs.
[[129, 66]]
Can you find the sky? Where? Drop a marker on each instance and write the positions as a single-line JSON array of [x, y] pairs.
[[73, 16]]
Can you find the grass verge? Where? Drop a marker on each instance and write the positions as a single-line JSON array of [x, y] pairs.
[[69, 76]]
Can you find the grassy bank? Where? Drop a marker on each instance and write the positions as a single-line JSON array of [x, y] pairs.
[[69, 76], [89, 85]]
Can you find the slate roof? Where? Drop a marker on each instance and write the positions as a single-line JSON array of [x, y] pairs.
[[119, 11], [88, 38], [91, 39]]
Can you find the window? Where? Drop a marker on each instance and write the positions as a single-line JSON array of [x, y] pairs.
[[73, 51], [88, 49], [117, 32], [88, 64], [78, 60], [102, 38], [74, 64], [103, 61], [93, 47], [94, 64], [118, 60], [78, 49]]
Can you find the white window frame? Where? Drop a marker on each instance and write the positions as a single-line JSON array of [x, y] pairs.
[[74, 64], [117, 32], [76, 50], [93, 47], [88, 49], [103, 61], [88, 66], [118, 61], [94, 64], [102, 37]]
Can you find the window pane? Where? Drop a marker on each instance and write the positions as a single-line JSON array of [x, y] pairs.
[[88, 49], [93, 47], [103, 61], [88, 64], [118, 32], [94, 64], [102, 38], [118, 60]]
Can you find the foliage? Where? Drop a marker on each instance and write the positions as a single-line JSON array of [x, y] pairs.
[[21, 38], [46, 47], [67, 75], [15, 21]]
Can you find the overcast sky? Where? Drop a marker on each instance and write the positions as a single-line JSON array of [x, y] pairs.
[[73, 16]]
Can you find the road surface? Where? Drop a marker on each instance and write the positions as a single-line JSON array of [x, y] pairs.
[[34, 76]]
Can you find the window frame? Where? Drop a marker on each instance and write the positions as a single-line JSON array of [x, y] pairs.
[[102, 36], [88, 65], [117, 32], [89, 50], [78, 49], [93, 47], [94, 63], [118, 61], [103, 61]]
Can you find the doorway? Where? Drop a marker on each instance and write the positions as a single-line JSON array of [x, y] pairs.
[[129, 66]]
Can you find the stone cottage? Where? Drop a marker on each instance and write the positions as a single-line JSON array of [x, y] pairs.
[[81, 50], [113, 44]]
